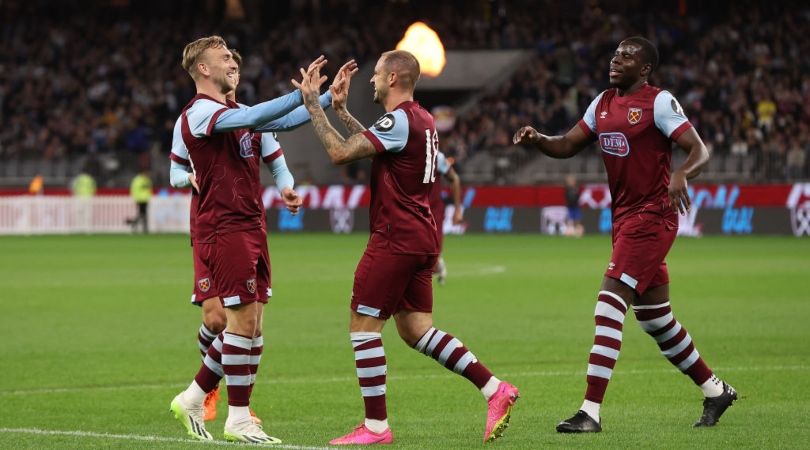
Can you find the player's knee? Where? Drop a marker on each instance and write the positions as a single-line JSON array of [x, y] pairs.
[[215, 321], [245, 324], [412, 332]]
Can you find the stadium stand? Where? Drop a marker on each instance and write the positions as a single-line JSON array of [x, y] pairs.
[[102, 89]]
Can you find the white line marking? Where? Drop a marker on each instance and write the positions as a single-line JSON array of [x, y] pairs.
[[475, 272], [346, 379], [139, 437]]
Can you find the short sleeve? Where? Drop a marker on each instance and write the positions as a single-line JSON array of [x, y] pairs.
[[202, 116], [588, 122], [271, 147], [179, 152], [442, 166], [669, 116], [390, 132]]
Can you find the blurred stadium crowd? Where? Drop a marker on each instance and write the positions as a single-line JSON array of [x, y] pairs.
[[98, 83]]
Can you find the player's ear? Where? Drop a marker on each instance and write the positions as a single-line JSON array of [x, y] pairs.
[[646, 70], [392, 78]]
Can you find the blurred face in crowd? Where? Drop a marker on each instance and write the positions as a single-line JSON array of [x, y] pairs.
[[221, 68], [627, 66]]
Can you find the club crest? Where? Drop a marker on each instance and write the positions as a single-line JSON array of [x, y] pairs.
[[204, 284], [634, 115], [251, 285]]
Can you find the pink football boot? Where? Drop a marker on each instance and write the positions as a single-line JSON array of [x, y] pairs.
[[500, 408], [363, 436]]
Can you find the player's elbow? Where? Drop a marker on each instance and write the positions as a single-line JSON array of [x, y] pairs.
[[704, 154], [339, 156]]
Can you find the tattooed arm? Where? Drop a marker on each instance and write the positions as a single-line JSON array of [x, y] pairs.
[[349, 121], [340, 93], [341, 150]]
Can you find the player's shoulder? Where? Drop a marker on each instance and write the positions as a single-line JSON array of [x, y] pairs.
[[664, 100], [397, 118], [606, 96], [202, 102], [416, 114], [654, 93]]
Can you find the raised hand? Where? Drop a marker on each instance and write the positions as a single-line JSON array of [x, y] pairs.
[[291, 199], [317, 64], [526, 135], [340, 85], [311, 80]]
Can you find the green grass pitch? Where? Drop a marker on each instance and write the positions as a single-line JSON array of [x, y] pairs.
[[97, 336]]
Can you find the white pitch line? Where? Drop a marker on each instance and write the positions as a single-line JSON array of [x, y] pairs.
[[474, 272], [139, 437], [439, 374]]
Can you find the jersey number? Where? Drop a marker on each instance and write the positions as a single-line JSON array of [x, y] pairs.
[[432, 152]]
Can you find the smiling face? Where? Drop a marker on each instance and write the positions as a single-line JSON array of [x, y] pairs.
[[219, 65], [627, 66]]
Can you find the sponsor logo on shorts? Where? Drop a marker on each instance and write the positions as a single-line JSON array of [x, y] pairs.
[[204, 284], [251, 285], [612, 265], [634, 115], [614, 144]]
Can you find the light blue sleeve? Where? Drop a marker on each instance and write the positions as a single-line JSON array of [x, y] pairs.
[[178, 175], [201, 116], [178, 172], [270, 144], [179, 149], [254, 116], [391, 131], [590, 114], [442, 166], [669, 115], [299, 116], [278, 166], [282, 174]]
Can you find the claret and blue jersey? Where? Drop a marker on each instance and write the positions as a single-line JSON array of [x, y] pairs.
[[635, 134], [402, 176]]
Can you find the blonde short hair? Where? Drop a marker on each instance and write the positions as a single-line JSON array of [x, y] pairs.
[[194, 49]]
